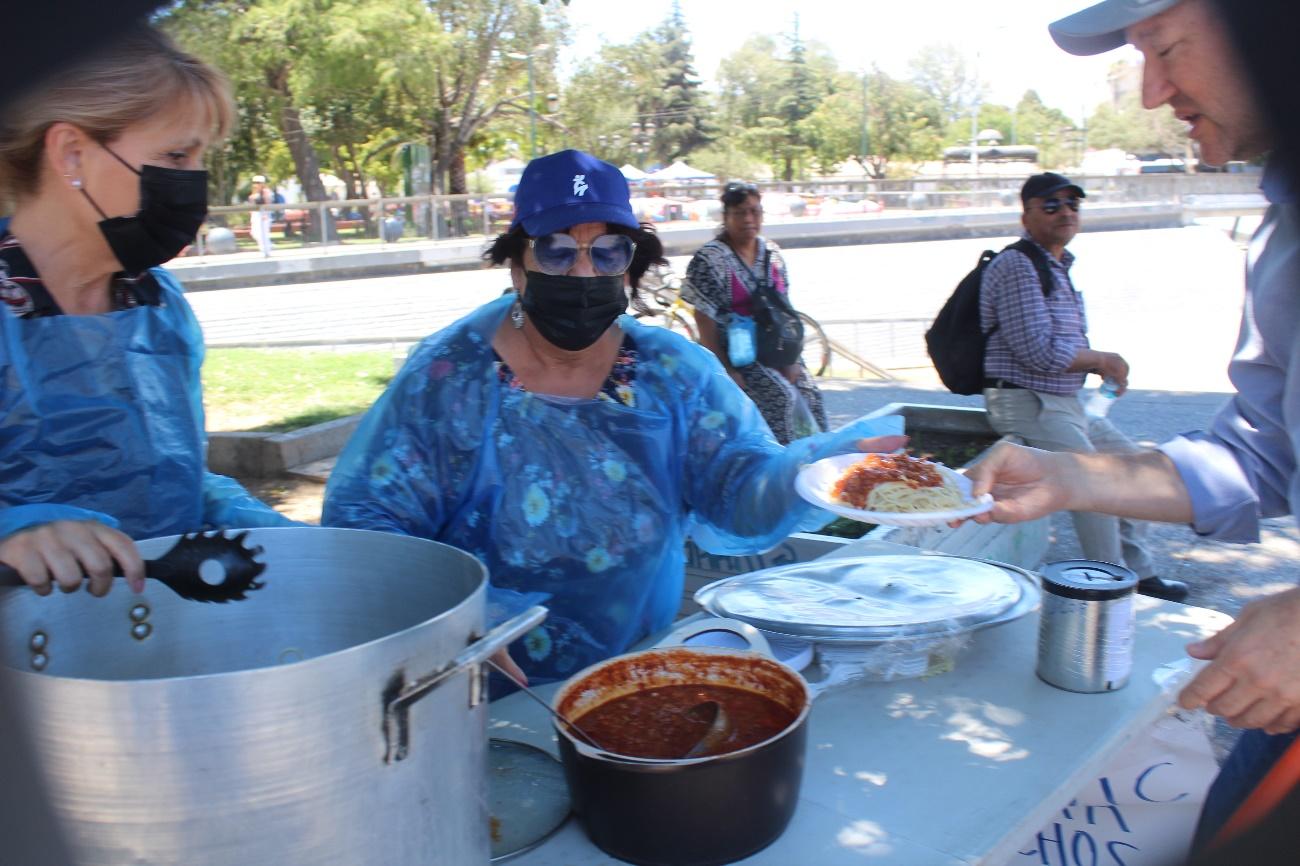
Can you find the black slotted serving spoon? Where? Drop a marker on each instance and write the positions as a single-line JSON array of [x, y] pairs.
[[181, 569]]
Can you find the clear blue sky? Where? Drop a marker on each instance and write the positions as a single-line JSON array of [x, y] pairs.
[[1010, 36]]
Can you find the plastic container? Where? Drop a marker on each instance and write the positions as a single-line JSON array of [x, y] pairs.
[[740, 340], [1099, 402]]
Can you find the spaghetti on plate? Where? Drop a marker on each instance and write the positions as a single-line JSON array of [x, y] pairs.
[[897, 483]]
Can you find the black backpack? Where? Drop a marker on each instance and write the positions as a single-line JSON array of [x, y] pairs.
[[778, 333], [956, 341]]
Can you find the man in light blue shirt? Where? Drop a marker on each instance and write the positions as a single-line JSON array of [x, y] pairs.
[[1223, 480]]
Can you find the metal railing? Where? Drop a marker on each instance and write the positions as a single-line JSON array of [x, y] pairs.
[[384, 220]]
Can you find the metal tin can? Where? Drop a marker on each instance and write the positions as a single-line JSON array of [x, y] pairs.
[[1085, 631]]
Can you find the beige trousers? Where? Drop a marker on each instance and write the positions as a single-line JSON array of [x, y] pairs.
[[1058, 423]]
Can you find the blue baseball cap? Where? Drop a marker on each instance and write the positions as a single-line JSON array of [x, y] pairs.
[[571, 187], [1101, 27]]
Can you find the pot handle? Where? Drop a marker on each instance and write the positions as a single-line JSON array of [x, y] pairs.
[[397, 704], [746, 632]]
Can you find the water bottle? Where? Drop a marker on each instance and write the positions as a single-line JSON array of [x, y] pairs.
[[1098, 404], [740, 340]]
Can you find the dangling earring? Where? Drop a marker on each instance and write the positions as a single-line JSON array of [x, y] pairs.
[[75, 182], [517, 314]]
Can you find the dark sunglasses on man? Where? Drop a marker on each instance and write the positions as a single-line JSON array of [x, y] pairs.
[[1052, 205], [557, 252], [740, 186]]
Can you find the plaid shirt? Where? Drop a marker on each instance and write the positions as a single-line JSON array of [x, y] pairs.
[[1037, 337]]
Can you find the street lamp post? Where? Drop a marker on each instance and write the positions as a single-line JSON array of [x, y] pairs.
[[642, 135], [532, 96]]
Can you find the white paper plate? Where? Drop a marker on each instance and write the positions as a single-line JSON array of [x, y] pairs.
[[816, 481]]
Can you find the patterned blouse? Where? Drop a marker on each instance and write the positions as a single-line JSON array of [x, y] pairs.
[[717, 281], [24, 296], [618, 388]]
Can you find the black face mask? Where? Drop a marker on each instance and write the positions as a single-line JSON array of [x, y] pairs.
[[173, 205], [572, 312]]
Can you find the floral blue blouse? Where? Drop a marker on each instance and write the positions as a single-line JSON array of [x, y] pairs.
[[582, 504]]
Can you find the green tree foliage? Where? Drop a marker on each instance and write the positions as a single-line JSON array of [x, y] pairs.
[[768, 100], [941, 71], [343, 86], [682, 115], [802, 93], [463, 64], [306, 85], [904, 123], [608, 93], [1131, 128], [1044, 127]]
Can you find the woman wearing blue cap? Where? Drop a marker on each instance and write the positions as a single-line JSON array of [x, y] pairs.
[[569, 447]]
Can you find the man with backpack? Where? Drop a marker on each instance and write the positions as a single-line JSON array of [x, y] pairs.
[[1037, 357]]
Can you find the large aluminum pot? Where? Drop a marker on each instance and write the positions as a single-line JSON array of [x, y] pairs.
[[336, 716], [691, 811]]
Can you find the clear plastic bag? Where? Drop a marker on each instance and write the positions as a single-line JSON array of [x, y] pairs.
[[804, 422]]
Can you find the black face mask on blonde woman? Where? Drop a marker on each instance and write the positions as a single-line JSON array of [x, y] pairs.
[[173, 206]]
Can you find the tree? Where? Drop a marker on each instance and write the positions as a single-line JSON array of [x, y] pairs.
[[463, 64], [905, 123], [940, 70], [800, 99], [682, 115], [750, 82], [609, 92], [1133, 129], [253, 42], [1042, 126]]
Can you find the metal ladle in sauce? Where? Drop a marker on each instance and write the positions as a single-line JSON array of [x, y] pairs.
[[550, 709], [712, 714]]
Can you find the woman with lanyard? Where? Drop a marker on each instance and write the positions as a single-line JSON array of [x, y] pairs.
[[101, 415], [569, 447], [721, 283]]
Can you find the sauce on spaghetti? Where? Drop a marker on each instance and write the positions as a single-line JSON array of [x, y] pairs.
[[857, 482]]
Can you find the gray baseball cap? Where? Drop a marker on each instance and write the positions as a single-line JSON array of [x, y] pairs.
[[1101, 27]]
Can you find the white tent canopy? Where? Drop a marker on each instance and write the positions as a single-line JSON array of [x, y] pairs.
[[680, 171], [631, 172]]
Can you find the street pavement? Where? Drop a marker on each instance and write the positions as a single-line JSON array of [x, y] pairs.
[[1167, 299]]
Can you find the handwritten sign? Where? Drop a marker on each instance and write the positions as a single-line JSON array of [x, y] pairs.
[[1142, 811]]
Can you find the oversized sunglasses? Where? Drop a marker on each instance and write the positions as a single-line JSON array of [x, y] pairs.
[[1052, 205], [557, 252], [740, 186]]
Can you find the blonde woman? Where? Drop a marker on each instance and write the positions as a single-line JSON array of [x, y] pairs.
[[101, 415]]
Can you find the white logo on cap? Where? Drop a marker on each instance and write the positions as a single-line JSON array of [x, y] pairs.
[[579, 184]]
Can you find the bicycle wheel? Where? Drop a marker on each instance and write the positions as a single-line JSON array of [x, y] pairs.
[[670, 319], [816, 347]]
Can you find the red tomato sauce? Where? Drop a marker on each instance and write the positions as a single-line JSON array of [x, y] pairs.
[[858, 480], [654, 723]]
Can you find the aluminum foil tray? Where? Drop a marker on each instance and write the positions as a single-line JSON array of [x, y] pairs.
[[874, 599]]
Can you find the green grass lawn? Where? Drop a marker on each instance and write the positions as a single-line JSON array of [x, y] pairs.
[[274, 390]]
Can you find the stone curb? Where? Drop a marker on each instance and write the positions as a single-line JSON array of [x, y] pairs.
[[265, 455]]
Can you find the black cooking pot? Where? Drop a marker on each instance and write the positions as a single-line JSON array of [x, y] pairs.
[[687, 812]]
